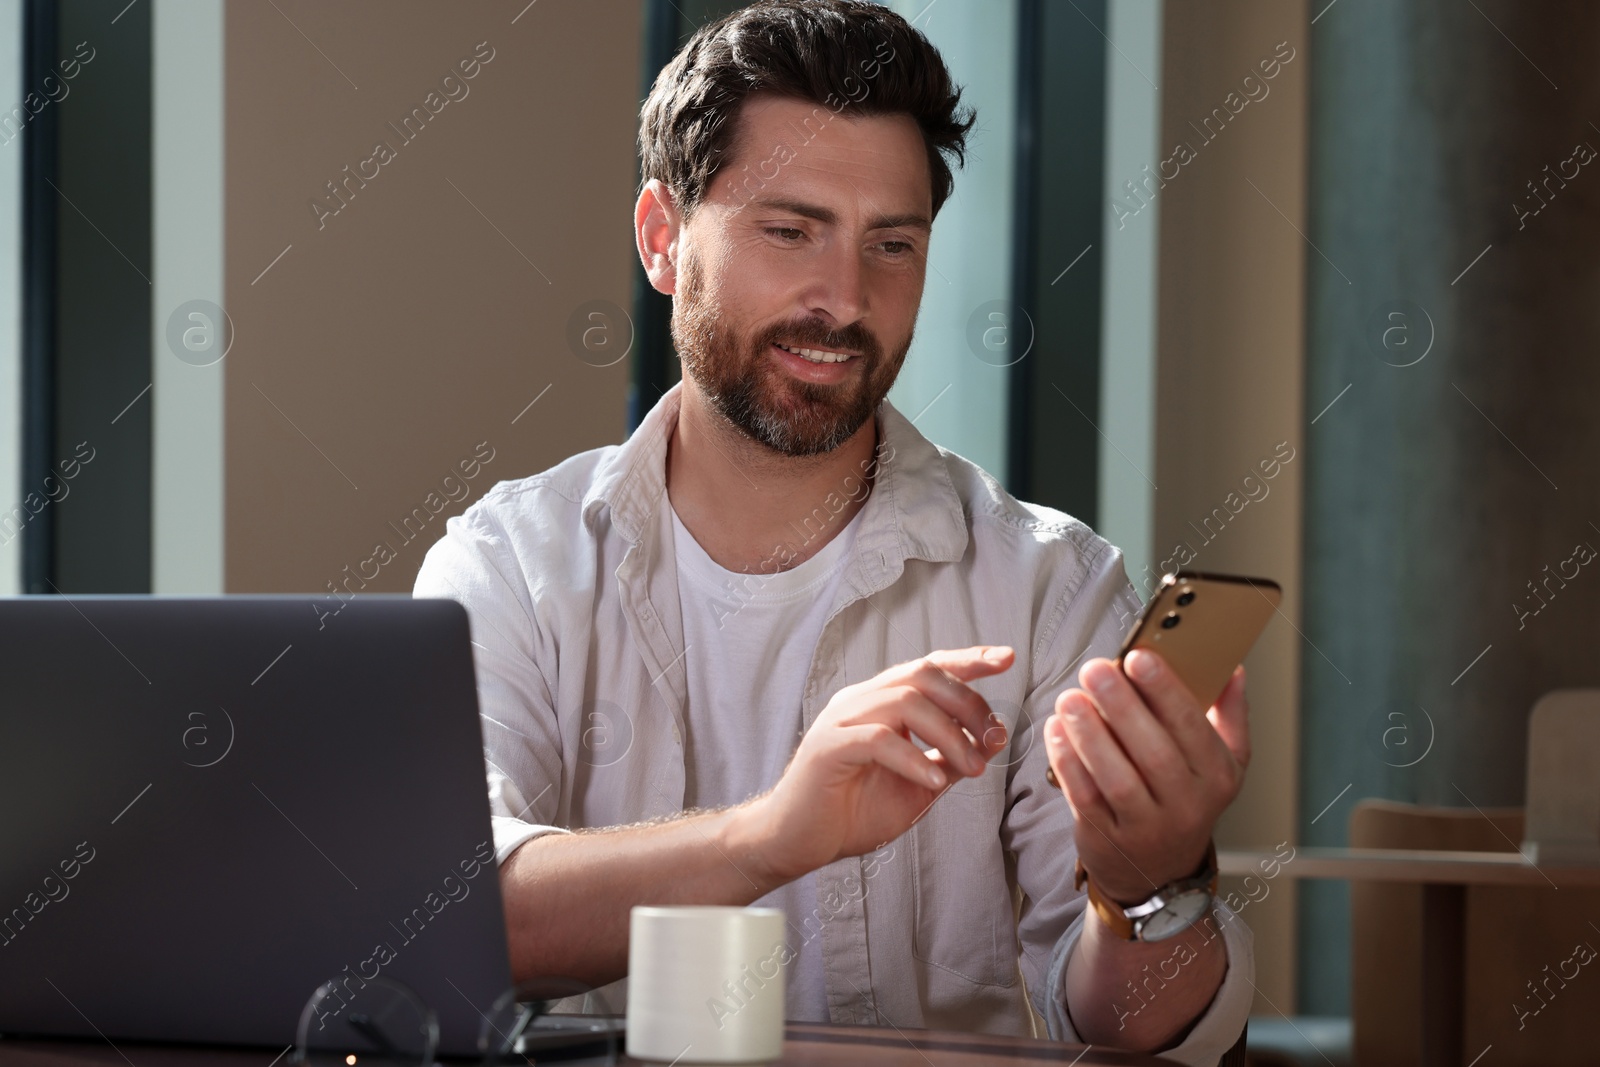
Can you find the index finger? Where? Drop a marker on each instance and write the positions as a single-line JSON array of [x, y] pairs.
[[965, 664], [942, 677]]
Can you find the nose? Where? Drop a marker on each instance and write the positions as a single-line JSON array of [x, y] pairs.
[[840, 296]]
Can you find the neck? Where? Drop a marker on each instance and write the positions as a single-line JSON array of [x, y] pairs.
[[753, 509]]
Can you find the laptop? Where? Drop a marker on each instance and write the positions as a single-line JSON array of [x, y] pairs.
[[211, 806]]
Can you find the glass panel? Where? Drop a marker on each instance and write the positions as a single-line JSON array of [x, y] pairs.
[[957, 398], [12, 130]]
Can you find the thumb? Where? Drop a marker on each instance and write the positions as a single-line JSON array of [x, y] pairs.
[[979, 661]]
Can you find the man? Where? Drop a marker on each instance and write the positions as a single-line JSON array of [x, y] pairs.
[[778, 648]]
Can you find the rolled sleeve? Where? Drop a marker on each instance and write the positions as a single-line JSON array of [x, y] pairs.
[[521, 737], [510, 830], [1215, 1032]]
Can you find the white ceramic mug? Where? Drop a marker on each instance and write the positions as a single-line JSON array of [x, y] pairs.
[[706, 984]]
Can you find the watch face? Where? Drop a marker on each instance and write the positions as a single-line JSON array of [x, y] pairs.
[[1177, 915]]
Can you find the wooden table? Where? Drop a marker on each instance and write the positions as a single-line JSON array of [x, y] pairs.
[[805, 1045], [1444, 877], [817, 1044]]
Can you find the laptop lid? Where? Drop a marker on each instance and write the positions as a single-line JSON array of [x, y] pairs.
[[210, 806]]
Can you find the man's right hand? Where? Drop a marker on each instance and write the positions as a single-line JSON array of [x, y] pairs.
[[857, 780]]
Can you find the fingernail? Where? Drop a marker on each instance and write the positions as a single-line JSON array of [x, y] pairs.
[[996, 654], [997, 726], [935, 778], [1100, 680], [1142, 665]]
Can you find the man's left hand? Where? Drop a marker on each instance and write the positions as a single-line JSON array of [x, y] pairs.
[[1146, 769]]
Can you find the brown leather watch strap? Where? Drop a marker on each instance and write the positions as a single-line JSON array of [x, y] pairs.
[[1112, 914], [1109, 911]]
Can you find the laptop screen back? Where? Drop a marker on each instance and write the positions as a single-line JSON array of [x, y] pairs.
[[208, 807]]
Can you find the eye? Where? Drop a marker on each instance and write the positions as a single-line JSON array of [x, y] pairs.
[[905, 248], [780, 231]]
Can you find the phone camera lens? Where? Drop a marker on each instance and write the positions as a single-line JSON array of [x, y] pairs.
[[1170, 621], [1186, 598]]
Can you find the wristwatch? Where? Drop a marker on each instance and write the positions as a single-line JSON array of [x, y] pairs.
[[1168, 911]]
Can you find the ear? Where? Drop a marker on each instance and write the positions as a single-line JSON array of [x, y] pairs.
[[656, 225]]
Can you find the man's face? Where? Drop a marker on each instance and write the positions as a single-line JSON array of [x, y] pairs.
[[815, 236]]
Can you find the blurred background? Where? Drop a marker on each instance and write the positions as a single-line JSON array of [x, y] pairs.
[[1303, 290]]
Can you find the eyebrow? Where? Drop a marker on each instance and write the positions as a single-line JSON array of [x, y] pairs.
[[831, 218]]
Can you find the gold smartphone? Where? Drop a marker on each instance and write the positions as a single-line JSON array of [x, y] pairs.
[[1203, 625]]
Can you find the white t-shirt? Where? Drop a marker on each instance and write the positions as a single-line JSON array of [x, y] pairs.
[[748, 643]]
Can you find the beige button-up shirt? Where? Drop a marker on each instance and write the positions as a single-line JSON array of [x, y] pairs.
[[967, 920]]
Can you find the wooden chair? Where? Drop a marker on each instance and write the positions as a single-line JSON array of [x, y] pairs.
[[1512, 935], [1563, 791]]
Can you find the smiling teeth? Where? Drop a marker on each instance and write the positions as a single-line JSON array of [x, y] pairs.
[[816, 355]]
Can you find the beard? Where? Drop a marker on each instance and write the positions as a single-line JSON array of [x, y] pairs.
[[739, 379]]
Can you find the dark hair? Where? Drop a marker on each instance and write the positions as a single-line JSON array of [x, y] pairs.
[[812, 50]]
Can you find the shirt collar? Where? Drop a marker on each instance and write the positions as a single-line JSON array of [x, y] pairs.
[[913, 512]]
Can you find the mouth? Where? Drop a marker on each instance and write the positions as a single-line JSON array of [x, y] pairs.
[[818, 355]]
